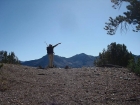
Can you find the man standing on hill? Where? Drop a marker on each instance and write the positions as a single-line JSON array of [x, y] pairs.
[[51, 54]]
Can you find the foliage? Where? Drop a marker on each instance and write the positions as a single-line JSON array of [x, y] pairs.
[[134, 66], [40, 67], [130, 17], [8, 58], [115, 54], [67, 67], [1, 65]]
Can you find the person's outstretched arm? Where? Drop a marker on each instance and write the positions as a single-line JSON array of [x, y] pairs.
[[56, 44]]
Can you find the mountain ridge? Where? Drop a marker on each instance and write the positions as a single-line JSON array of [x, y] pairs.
[[75, 61]]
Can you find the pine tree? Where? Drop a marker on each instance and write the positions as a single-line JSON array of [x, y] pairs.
[[115, 54], [130, 17], [9, 58]]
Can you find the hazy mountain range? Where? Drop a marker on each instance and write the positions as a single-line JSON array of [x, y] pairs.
[[76, 61]]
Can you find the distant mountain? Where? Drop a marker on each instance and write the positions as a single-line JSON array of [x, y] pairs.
[[76, 61], [138, 56]]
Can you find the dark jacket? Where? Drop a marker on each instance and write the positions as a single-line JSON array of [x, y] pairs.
[[50, 50]]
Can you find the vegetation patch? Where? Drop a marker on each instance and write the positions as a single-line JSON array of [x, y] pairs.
[[10, 58], [117, 55], [134, 66], [1, 65]]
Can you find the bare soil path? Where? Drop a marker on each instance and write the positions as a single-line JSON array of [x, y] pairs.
[[22, 85]]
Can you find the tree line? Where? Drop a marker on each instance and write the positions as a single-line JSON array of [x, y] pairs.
[[117, 54], [10, 58]]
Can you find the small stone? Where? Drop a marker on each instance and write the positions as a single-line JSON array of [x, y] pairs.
[[125, 78], [87, 91]]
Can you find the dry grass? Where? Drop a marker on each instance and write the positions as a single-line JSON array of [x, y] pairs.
[[83, 86]]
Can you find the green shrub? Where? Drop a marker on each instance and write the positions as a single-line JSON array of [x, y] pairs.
[[40, 67], [134, 66], [1, 65], [137, 70], [131, 65]]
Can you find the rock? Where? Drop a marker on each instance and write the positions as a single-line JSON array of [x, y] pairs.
[[132, 99], [67, 67], [41, 74], [121, 77]]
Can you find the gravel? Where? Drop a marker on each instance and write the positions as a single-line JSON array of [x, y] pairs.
[[23, 85]]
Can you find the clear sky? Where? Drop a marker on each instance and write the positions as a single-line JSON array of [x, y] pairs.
[[78, 24]]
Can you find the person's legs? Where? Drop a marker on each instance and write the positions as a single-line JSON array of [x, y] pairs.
[[52, 60], [49, 56]]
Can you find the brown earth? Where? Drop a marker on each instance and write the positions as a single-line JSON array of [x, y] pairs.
[[22, 85]]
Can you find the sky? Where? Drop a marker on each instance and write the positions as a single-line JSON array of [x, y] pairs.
[[25, 26]]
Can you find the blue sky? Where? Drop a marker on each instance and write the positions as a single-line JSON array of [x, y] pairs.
[[78, 24]]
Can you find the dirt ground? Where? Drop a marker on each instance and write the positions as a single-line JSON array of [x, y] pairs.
[[22, 85]]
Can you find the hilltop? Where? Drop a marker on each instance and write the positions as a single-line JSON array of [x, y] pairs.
[[78, 86]]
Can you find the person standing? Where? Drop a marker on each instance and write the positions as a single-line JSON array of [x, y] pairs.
[[51, 54]]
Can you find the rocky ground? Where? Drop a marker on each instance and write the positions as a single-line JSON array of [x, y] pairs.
[[22, 85]]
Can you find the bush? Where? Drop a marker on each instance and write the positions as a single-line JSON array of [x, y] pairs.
[[66, 67], [134, 66], [40, 67], [137, 70], [115, 54], [1, 65], [131, 65]]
